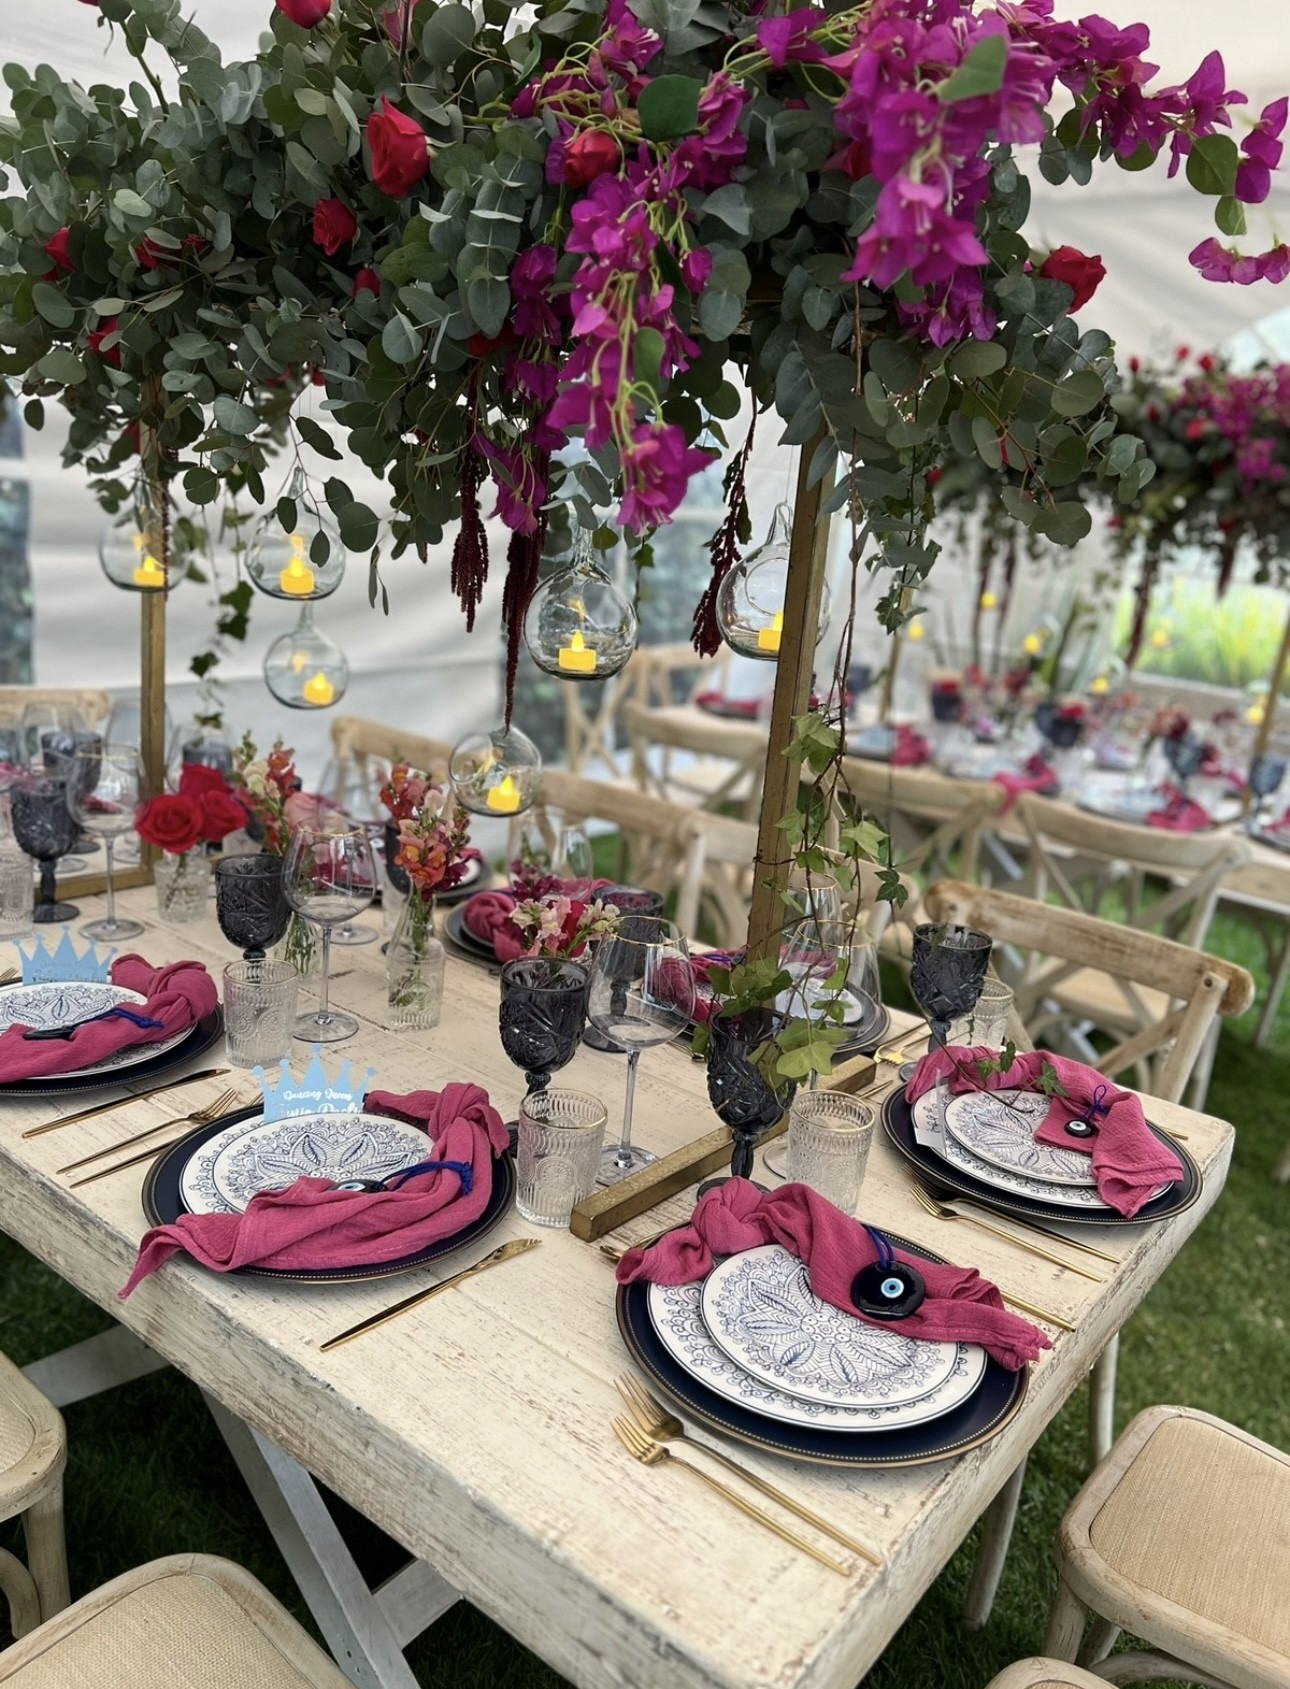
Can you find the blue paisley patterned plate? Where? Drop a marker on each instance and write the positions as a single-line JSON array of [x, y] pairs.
[[760, 1311], [1000, 1126], [256, 1155]]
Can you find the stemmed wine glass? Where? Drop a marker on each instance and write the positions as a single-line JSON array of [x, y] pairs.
[[640, 992], [104, 789], [250, 903], [947, 973], [328, 875], [1184, 754], [44, 828], [1266, 774], [541, 1014]]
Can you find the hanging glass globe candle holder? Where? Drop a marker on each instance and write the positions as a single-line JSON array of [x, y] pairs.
[[129, 548], [304, 669], [750, 601], [497, 773], [305, 561], [579, 625]]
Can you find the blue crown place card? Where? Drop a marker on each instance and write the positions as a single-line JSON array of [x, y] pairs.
[[315, 1093], [43, 966]]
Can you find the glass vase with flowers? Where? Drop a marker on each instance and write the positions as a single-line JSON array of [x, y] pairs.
[[434, 850], [270, 789], [204, 811]]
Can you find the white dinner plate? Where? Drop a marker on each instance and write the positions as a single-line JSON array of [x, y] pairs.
[[61, 1003], [1000, 1126], [256, 1155], [761, 1313]]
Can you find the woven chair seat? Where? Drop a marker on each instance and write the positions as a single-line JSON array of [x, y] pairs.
[[1045, 1674], [189, 1622], [1182, 1536]]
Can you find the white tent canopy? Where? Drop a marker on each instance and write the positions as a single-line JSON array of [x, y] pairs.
[[417, 667]]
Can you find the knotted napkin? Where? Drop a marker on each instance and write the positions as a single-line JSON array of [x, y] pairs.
[[960, 1306], [311, 1224], [178, 996], [1179, 813], [1129, 1160], [488, 916], [717, 702], [1034, 776], [911, 749]]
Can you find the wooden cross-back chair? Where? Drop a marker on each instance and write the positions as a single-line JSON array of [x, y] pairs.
[[728, 757], [936, 825], [1193, 990], [591, 734], [362, 751], [95, 706], [1075, 858]]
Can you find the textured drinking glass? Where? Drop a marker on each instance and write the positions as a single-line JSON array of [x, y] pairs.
[[561, 1133], [829, 1135], [987, 1023], [260, 1000], [15, 894]]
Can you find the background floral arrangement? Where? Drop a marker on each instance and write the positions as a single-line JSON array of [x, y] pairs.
[[556, 925], [1221, 445], [488, 238]]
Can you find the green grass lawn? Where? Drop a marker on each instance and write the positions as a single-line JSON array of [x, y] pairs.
[[148, 1474]]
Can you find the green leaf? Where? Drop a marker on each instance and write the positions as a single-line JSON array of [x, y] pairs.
[[312, 100], [401, 341], [52, 305], [317, 437], [61, 364], [234, 417], [719, 314], [1066, 463], [1121, 453], [1212, 164], [359, 527], [201, 485], [33, 413], [131, 204], [1229, 214], [986, 442], [489, 302], [896, 364], [669, 108], [446, 35], [977, 359], [980, 73], [286, 513], [1078, 394], [647, 356]]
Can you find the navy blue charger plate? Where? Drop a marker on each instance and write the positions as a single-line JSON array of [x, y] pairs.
[[163, 1204], [195, 1042], [991, 1405], [898, 1123]]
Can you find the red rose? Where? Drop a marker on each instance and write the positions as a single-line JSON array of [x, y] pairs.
[[1196, 429], [221, 814], [1207, 362], [854, 160], [335, 225], [399, 148], [56, 248], [195, 780], [306, 13], [171, 822], [96, 337], [151, 255], [1135, 364], [591, 154], [1080, 272], [367, 281]]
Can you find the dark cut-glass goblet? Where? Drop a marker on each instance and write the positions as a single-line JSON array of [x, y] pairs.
[[542, 1012], [250, 904], [638, 910], [947, 973], [44, 828], [1184, 754], [1266, 774], [743, 1097]]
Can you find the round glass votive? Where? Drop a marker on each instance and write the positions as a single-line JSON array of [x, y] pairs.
[[560, 1137], [829, 1136], [260, 1002], [16, 900], [987, 1024]]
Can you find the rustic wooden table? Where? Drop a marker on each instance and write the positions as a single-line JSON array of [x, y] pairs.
[[476, 1430]]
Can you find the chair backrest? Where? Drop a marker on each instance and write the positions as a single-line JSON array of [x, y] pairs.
[[1056, 942], [94, 705], [591, 734], [655, 668], [362, 748], [936, 824], [651, 728], [1077, 857]]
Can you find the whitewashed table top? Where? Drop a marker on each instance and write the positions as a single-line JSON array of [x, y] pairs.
[[476, 1430]]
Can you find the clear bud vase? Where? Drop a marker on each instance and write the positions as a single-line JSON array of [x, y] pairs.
[[182, 881], [415, 966]]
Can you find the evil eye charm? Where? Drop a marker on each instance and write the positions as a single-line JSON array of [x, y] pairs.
[[889, 1292], [359, 1185], [1080, 1129]]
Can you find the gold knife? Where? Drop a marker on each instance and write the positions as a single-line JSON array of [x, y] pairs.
[[149, 1154], [517, 1246], [122, 1102]]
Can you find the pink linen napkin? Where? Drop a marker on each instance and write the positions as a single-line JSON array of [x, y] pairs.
[[727, 706], [1035, 776], [1179, 813], [488, 916], [960, 1307], [911, 749], [1129, 1160], [310, 1225], [178, 996]]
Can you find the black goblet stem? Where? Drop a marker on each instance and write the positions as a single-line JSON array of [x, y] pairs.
[[44, 910]]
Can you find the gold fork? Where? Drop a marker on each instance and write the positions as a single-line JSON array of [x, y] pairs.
[[942, 1211], [650, 1453], [134, 1160], [223, 1104], [656, 1422]]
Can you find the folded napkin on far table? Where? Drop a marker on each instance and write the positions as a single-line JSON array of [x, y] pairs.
[[728, 706], [911, 749], [178, 996], [1129, 1160], [1179, 813], [311, 1225], [960, 1306], [1034, 776]]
